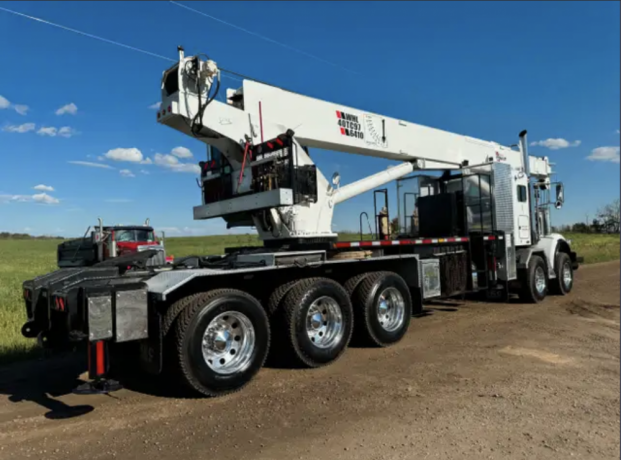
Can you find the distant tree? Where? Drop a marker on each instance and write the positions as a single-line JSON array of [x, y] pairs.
[[610, 216], [597, 226], [394, 226], [561, 228], [580, 227]]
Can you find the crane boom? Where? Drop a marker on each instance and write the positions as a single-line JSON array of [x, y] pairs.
[[257, 112]]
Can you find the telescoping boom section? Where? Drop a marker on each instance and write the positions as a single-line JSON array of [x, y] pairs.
[[248, 187], [474, 218]]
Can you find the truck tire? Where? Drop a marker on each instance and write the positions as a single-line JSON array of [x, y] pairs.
[[221, 338], [316, 322], [564, 275], [352, 283], [382, 309], [276, 297], [534, 283]]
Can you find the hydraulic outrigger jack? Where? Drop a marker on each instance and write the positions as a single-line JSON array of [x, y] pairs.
[[98, 366]]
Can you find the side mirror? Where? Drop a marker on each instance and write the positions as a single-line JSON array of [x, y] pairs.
[[560, 196], [336, 179]]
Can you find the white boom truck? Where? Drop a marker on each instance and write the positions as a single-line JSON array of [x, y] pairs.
[[482, 225]]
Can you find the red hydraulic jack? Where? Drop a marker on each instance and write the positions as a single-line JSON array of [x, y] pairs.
[[98, 366]]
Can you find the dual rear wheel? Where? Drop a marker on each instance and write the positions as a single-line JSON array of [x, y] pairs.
[[221, 338], [534, 282]]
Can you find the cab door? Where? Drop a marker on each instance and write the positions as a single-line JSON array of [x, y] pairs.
[[522, 213]]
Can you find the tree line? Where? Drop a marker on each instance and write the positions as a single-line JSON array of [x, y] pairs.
[[606, 220], [26, 236]]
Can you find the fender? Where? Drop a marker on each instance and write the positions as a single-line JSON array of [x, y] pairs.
[[523, 256], [548, 247]]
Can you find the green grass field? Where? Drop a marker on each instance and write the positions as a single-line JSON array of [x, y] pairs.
[[24, 259]]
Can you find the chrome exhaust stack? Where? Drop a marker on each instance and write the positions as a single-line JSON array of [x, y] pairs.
[[534, 227]]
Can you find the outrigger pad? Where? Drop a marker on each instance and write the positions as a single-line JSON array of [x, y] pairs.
[[98, 387]]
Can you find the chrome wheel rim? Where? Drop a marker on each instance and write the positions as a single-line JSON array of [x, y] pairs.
[[567, 276], [540, 280], [390, 309], [228, 343], [324, 322]]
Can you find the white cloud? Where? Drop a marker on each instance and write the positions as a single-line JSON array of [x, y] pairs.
[[66, 131], [162, 159], [172, 162], [155, 106], [556, 144], [132, 155], [91, 164], [19, 108], [51, 131], [618, 132], [23, 128], [47, 131], [42, 198], [43, 188], [146, 161], [9, 198], [181, 152], [45, 198], [126, 173], [605, 154], [215, 228], [188, 168], [180, 231], [144, 171], [70, 108]]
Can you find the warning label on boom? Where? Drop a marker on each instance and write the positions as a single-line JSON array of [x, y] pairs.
[[349, 125]]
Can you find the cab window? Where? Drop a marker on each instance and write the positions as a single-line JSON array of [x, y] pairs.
[[123, 236], [145, 236]]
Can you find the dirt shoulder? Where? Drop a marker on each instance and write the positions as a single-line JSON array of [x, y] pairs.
[[470, 380]]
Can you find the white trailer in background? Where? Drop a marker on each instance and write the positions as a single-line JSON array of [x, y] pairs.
[[481, 225]]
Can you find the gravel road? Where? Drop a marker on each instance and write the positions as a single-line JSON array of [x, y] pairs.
[[470, 380]]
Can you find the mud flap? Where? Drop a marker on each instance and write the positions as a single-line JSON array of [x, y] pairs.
[[498, 293], [151, 349], [575, 260]]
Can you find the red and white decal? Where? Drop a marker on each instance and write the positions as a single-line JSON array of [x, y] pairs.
[[364, 244], [410, 242]]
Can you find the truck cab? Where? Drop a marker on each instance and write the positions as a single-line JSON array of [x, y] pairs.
[[106, 242]]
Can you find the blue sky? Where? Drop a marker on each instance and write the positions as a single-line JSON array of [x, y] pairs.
[[484, 69]]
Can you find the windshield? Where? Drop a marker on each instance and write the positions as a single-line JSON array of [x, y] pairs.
[[133, 236]]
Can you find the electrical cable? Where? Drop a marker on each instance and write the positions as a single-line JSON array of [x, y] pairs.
[[263, 37], [231, 75], [112, 42], [96, 37]]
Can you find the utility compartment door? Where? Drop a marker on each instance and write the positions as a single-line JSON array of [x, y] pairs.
[[524, 227]]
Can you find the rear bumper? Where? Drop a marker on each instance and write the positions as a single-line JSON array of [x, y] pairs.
[[86, 303]]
